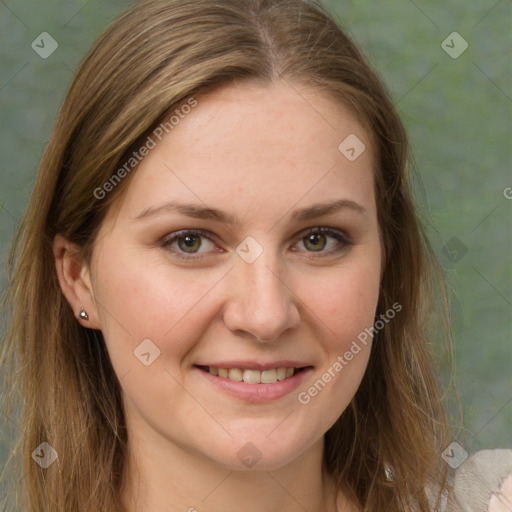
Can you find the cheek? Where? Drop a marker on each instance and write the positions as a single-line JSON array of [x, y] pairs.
[[345, 306], [139, 298], [346, 301]]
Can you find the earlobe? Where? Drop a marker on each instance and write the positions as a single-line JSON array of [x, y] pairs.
[[75, 283]]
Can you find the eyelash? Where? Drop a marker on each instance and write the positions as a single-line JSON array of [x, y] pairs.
[[343, 241]]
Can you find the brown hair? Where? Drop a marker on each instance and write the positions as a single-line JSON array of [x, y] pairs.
[[146, 64]]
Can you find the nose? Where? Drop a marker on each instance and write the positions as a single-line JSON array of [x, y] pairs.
[[261, 302]]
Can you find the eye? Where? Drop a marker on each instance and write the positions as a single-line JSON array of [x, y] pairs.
[[187, 242], [317, 240]]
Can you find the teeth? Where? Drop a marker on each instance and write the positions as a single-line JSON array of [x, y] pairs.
[[235, 374], [269, 376], [253, 376]]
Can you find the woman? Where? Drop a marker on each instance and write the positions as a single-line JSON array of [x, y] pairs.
[[220, 286]]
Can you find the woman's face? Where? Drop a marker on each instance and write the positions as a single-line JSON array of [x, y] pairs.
[[224, 258]]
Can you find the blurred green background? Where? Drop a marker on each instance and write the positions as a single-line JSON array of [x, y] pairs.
[[458, 111]]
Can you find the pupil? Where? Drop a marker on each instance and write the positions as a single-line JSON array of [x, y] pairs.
[[317, 240], [190, 242]]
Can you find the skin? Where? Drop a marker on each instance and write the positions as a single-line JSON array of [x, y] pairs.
[[502, 502], [258, 153]]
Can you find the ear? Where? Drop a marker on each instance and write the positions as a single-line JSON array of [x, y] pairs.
[[75, 281]]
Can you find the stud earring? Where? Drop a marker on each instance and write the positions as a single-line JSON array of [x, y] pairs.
[[83, 314], [389, 472]]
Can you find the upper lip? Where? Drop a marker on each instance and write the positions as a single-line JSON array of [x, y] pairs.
[[253, 365]]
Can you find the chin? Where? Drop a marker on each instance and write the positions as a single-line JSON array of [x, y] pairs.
[[258, 452]]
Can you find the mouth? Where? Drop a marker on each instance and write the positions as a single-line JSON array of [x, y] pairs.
[[256, 384], [253, 376]]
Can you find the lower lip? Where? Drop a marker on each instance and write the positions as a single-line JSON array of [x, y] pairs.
[[257, 392]]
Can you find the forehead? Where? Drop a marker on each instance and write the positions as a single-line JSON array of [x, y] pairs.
[[252, 148]]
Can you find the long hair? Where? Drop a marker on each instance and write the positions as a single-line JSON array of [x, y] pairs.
[[149, 62]]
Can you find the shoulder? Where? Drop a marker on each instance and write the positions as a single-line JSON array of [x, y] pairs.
[[483, 483]]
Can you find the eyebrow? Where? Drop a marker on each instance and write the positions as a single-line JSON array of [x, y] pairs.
[[199, 211]]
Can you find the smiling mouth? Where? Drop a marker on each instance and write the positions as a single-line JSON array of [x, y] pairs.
[[249, 376]]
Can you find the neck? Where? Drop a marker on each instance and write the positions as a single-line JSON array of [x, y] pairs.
[[161, 475]]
